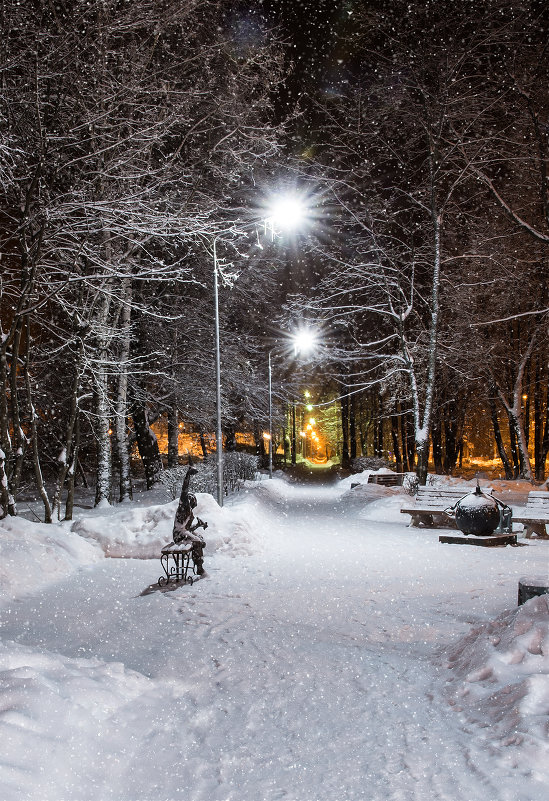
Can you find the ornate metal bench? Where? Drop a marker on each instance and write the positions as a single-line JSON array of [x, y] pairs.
[[177, 563]]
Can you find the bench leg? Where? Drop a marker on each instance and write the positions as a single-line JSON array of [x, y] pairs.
[[421, 519], [535, 528]]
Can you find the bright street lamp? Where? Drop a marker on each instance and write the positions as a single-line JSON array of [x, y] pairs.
[[286, 213], [304, 341]]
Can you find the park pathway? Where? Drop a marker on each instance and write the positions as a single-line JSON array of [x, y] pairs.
[[308, 671]]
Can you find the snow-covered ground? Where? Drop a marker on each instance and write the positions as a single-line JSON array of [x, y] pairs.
[[331, 653]]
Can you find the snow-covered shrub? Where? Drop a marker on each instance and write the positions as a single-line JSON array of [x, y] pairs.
[[410, 483], [237, 468], [362, 463], [172, 479]]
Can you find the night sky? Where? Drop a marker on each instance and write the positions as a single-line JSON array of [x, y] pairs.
[[311, 30]]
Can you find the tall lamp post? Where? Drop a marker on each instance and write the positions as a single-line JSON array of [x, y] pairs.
[[270, 417], [286, 213], [218, 431]]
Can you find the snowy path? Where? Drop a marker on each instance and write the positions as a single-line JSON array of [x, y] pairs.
[[306, 672]]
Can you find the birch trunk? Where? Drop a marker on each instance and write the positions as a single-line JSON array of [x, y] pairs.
[[101, 398], [514, 410], [34, 437], [121, 428]]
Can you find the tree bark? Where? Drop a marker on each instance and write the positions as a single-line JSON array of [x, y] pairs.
[[396, 444], [147, 444], [509, 473], [34, 437], [173, 436], [345, 456], [352, 428], [121, 411], [436, 439]]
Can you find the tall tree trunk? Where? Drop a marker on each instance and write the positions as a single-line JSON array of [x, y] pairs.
[[513, 444], [396, 444], [8, 503], [173, 436], [230, 438], [121, 411], [19, 439], [294, 437], [147, 444], [514, 411], [34, 436], [345, 456], [545, 440], [436, 439], [69, 506], [509, 473], [404, 437], [102, 427], [352, 428], [102, 436], [538, 422], [66, 457]]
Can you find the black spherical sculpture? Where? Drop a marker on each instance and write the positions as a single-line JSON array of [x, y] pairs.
[[477, 514]]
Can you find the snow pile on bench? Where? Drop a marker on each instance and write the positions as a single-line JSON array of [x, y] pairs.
[[33, 555], [500, 680]]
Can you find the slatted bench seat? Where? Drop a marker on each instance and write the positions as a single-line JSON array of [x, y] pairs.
[[386, 479], [536, 515], [428, 506]]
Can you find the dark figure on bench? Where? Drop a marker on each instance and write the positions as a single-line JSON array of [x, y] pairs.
[[184, 527]]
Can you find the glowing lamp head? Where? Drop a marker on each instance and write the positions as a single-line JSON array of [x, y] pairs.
[[304, 341], [287, 213]]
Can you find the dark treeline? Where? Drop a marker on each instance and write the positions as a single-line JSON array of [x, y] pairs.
[[431, 144], [136, 137]]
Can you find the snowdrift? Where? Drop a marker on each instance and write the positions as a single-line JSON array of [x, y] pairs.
[[141, 533], [500, 680], [33, 555], [67, 710]]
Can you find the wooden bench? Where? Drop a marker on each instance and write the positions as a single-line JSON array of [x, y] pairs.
[[386, 479], [383, 479], [536, 514], [430, 502]]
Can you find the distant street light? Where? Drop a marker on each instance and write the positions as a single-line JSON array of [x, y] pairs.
[[303, 341]]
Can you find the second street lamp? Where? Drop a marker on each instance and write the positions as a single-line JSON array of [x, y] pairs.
[[303, 342]]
